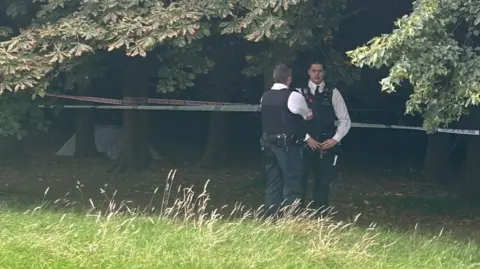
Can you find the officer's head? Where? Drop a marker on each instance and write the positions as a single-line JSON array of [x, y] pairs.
[[316, 72], [282, 74]]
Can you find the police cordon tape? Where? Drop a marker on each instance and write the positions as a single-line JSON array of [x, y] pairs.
[[187, 105], [137, 101], [248, 108], [440, 130], [144, 101], [210, 108]]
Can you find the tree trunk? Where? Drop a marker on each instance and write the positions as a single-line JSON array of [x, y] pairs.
[[215, 150], [134, 153], [472, 164], [12, 149], [267, 84], [268, 78], [436, 158], [85, 127]]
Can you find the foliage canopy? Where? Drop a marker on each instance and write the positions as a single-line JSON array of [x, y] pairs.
[[74, 37], [436, 48], [64, 30]]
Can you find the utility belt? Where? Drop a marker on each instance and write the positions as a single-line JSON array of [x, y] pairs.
[[320, 137], [281, 140]]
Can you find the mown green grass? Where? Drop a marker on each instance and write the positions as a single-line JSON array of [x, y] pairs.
[[185, 235]]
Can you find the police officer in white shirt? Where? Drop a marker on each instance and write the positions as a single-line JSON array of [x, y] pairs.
[[323, 136], [283, 115]]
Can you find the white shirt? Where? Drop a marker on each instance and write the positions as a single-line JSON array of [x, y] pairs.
[[341, 111], [296, 102]]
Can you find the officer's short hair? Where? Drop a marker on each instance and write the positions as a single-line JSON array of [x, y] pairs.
[[316, 61], [281, 73]]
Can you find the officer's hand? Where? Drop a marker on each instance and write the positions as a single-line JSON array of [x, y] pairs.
[[309, 115], [328, 144], [314, 144]]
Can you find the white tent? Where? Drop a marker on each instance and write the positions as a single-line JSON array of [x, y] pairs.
[[107, 141]]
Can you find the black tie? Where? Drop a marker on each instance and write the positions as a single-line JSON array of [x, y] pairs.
[[317, 90]]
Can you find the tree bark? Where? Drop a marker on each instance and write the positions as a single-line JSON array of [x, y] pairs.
[[268, 78], [472, 164], [267, 84], [215, 150], [134, 153], [12, 149], [85, 127], [436, 158]]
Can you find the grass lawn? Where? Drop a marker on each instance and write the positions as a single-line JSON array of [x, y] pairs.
[[185, 235]]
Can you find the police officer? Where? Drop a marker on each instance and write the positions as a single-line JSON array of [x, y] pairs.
[[283, 115], [323, 136]]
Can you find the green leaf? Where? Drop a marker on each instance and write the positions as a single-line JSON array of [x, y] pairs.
[[477, 20]]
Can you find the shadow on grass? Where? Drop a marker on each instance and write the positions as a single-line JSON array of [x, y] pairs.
[[226, 187], [428, 205]]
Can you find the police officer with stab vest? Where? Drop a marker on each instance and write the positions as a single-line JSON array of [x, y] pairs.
[[323, 136], [283, 115]]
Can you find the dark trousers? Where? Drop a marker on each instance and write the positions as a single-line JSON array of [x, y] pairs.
[[323, 173], [283, 171]]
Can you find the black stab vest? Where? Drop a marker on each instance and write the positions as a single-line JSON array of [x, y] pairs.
[[276, 117], [322, 126]]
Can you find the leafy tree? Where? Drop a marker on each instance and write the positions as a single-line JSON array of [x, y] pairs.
[[65, 33], [68, 29], [18, 114], [312, 31], [435, 49]]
